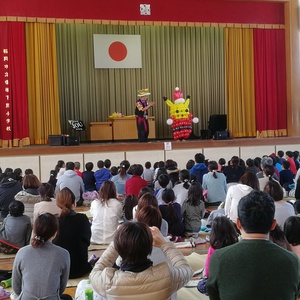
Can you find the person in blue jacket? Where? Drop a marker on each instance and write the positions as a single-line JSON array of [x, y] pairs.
[[199, 169]]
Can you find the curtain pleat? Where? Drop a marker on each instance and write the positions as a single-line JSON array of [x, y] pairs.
[[240, 82], [13, 92], [189, 57], [270, 82], [43, 96]]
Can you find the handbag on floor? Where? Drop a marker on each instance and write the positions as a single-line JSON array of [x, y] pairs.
[[202, 286], [5, 274]]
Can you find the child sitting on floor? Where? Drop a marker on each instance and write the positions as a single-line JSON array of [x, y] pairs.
[[222, 234], [171, 212], [16, 229]]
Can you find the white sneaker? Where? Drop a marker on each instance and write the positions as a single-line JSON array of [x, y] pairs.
[[197, 241]]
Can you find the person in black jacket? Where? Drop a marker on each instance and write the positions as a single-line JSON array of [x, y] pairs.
[[9, 187], [141, 113], [74, 234]]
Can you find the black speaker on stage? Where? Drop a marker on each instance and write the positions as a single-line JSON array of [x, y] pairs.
[[221, 135], [217, 123], [71, 140], [56, 140], [206, 134]]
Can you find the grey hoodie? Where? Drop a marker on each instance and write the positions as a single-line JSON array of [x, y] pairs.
[[72, 181]]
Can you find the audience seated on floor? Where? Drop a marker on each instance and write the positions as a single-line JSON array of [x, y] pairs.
[[283, 209], [172, 171], [88, 178], [147, 199], [248, 182], [268, 171], [30, 194], [134, 184], [47, 203], [163, 183], [71, 180], [137, 276], [60, 168], [130, 202], [148, 174], [41, 270], [16, 229], [292, 231], [222, 234], [74, 233], [193, 210], [106, 213], [235, 270], [103, 172], [278, 237], [171, 212], [182, 186], [77, 168], [18, 173], [286, 176], [52, 178], [199, 169], [9, 187], [214, 183], [122, 176], [234, 171]]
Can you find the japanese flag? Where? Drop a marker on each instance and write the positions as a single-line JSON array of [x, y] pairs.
[[117, 51]]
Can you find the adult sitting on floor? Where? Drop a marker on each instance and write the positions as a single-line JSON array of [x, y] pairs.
[[48, 202], [9, 187], [283, 209], [30, 195], [41, 269], [247, 183], [74, 233], [247, 269], [137, 278], [151, 216], [106, 212]]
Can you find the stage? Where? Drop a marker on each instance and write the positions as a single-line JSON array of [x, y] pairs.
[[132, 145], [43, 158]]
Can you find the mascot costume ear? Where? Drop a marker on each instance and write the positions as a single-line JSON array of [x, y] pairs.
[[180, 117]]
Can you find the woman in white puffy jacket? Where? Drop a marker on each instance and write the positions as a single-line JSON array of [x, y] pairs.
[[137, 278], [106, 212], [248, 182]]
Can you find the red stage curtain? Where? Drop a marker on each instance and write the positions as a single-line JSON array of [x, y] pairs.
[[270, 82], [13, 87]]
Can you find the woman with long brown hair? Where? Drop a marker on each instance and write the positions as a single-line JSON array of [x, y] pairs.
[[74, 233], [106, 212]]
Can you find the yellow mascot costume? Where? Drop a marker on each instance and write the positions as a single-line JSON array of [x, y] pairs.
[[180, 117]]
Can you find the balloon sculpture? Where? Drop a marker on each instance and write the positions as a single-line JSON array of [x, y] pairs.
[[180, 117]]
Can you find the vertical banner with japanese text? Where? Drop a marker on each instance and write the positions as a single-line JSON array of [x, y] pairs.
[[13, 86]]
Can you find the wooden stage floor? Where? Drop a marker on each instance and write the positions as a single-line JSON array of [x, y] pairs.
[[90, 147]]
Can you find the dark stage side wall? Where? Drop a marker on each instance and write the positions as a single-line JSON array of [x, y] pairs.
[[168, 10]]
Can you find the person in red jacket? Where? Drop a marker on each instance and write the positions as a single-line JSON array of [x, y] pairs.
[[290, 158], [134, 184]]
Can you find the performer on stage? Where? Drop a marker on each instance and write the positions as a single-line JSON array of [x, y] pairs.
[[141, 113]]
